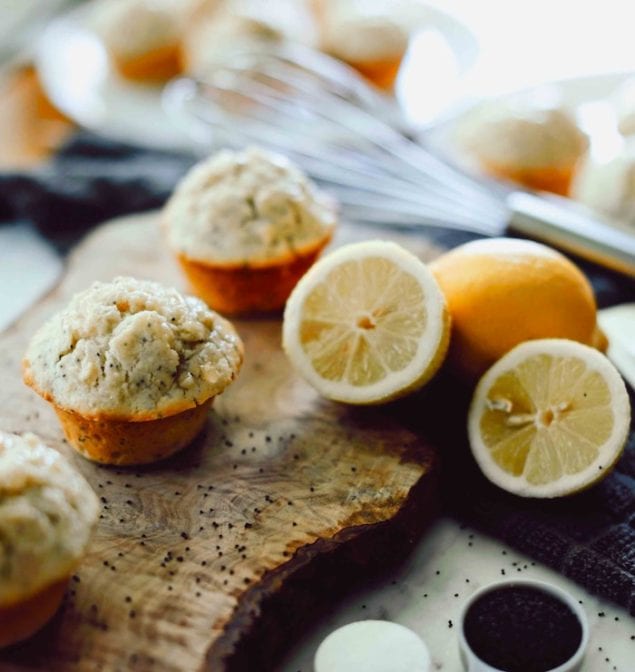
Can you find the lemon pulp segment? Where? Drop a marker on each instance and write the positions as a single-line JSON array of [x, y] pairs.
[[546, 418], [550, 418], [366, 324], [363, 321]]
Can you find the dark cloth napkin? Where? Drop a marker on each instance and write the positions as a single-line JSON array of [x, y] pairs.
[[91, 179], [588, 537]]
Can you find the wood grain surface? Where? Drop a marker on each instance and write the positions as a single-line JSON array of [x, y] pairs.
[[213, 559]]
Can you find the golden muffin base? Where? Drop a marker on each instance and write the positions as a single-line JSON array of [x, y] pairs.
[[381, 73], [239, 288], [156, 65], [125, 442], [555, 180], [21, 620]]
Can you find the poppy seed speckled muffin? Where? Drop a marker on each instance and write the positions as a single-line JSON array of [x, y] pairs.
[[369, 35], [131, 368], [538, 147], [245, 226], [143, 37], [223, 31], [47, 512], [608, 186]]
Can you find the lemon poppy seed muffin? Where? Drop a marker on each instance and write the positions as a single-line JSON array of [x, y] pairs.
[[47, 511], [245, 226], [131, 367], [211, 41], [143, 37], [538, 147], [368, 35], [223, 30], [622, 102], [608, 186]]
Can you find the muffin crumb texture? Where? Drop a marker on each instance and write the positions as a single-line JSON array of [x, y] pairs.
[[47, 511], [132, 350], [214, 37], [608, 186], [527, 136], [358, 32], [249, 206], [131, 28]]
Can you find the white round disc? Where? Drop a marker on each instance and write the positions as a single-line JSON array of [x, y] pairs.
[[372, 646]]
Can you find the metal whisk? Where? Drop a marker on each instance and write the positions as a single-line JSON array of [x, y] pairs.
[[349, 138]]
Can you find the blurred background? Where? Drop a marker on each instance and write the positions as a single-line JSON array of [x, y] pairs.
[[422, 114], [458, 51], [105, 103]]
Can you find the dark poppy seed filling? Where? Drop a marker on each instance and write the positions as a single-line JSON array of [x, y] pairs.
[[522, 629]]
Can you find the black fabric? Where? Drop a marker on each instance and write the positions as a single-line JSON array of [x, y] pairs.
[[589, 537], [89, 180]]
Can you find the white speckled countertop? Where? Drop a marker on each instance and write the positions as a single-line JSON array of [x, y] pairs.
[[426, 593]]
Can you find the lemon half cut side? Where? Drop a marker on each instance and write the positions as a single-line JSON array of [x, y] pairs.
[[366, 324], [549, 418]]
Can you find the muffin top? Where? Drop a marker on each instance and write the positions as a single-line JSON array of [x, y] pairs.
[[216, 36], [363, 31], [225, 28], [609, 186], [524, 136], [47, 511], [132, 350], [246, 207], [132, 28], [623, 103]]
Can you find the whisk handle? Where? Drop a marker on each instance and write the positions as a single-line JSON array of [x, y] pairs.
[[555, 221]]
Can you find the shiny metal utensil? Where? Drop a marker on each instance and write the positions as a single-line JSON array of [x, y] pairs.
[[348, 137], [335, 136]]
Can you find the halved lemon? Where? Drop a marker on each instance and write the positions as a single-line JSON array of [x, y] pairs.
[[549, 418], [367, 324]]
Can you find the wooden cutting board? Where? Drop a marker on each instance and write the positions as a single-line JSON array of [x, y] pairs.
[[214, 559]]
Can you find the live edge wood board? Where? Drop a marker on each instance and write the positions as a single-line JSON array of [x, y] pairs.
[[215, 559]]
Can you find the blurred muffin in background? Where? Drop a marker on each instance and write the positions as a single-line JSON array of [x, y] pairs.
[[221, 28], [623, 102], [609, 186], [143, 37], [245, 226], [535, 146], [47, 513], [366, 34]]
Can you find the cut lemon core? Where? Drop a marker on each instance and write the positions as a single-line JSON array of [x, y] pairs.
[[366, 324], [549, 418]]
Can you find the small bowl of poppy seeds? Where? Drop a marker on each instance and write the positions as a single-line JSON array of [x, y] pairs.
[[522, 626]]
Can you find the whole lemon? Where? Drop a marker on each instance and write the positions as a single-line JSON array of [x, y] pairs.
[[503, 291]]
